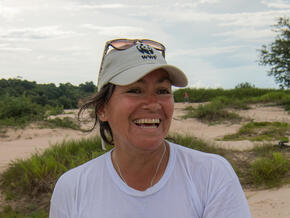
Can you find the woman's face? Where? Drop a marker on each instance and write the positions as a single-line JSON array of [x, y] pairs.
[[140, 114]]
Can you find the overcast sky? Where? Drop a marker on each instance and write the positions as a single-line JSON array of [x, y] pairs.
[[214, 42]]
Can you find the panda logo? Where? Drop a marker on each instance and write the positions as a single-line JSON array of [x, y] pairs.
[[146, 50]]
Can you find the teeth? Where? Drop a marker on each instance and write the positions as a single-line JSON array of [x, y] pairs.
[[147, 121], [148, 127]]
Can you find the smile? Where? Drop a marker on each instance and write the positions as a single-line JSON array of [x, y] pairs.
[[147, 123]]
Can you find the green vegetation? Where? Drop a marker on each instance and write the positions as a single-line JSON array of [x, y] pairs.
[[269, 170], [8, 212], [245, 85], [22, 102], [53, 111], [28, 184], [197, 144], [238, 98], [38, 174], [213, 112], [19, 111], [65, 95], [261, 131], [277, 54], [205, 95], [65, 122]]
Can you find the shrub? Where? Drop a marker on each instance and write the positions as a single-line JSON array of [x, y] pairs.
[[269, 171], [66, 122], [54, 110], [244, 85], [19, 111], [232, 102], [260, 131], [212, 112]]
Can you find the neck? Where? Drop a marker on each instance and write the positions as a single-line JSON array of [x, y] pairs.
[[142, 170]]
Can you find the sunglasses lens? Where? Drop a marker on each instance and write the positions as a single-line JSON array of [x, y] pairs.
[[122, 44], [154, 44]]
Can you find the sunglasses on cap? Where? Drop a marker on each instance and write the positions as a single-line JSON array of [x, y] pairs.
[[123, 44]]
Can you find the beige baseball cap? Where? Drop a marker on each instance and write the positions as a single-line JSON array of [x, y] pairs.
[[124, 67]]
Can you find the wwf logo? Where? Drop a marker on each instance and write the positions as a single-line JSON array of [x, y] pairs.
[[146, 50]]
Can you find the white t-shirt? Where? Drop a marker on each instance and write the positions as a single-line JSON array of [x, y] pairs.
[[194, 185]]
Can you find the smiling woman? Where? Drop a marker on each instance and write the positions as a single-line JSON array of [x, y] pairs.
[[144, 175]]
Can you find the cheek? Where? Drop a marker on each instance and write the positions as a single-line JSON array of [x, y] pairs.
[[118, 110], [169, 108]]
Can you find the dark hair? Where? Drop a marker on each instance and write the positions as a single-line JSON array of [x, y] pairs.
[[98, 101]]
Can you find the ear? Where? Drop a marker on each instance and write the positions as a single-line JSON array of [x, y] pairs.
[[102, 114]]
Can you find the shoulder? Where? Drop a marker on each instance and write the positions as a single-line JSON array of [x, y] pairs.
[[214, 181], [202, 162], [68, 183], [74, 174]]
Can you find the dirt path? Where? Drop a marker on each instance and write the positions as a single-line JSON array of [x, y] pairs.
[[270, 203]]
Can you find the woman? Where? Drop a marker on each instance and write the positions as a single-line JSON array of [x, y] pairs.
[[144, 175]]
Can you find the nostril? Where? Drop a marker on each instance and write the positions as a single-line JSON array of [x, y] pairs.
[[152, 106]]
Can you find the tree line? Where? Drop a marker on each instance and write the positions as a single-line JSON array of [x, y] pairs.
[[65, 95]]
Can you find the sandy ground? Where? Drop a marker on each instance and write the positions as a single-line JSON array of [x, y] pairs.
[[21, 143]]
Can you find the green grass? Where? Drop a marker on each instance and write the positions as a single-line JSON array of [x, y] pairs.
[[65, 122], [53, 111], [239, 98], [197, 144], [269, 170], [9, 212], [213, 112], [39, 173], [261, 131]]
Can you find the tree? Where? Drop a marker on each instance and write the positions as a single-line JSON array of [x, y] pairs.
[[277, 54], [245, 85]]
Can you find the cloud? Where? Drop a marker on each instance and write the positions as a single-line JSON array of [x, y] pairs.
[[25, 34], [249, 34], [193, 13], [251, 19], [120, 31], [8, 12], [194, 4], [104, 6], [204, 52], [278, 4], [201, 84], [7, 48], [82, 6]]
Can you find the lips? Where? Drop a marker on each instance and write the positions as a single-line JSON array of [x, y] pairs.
[[148, 122]]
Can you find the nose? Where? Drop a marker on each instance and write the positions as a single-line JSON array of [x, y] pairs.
[[151, 103]]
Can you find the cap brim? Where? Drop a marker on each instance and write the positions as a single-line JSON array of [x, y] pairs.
[[127, 77]]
